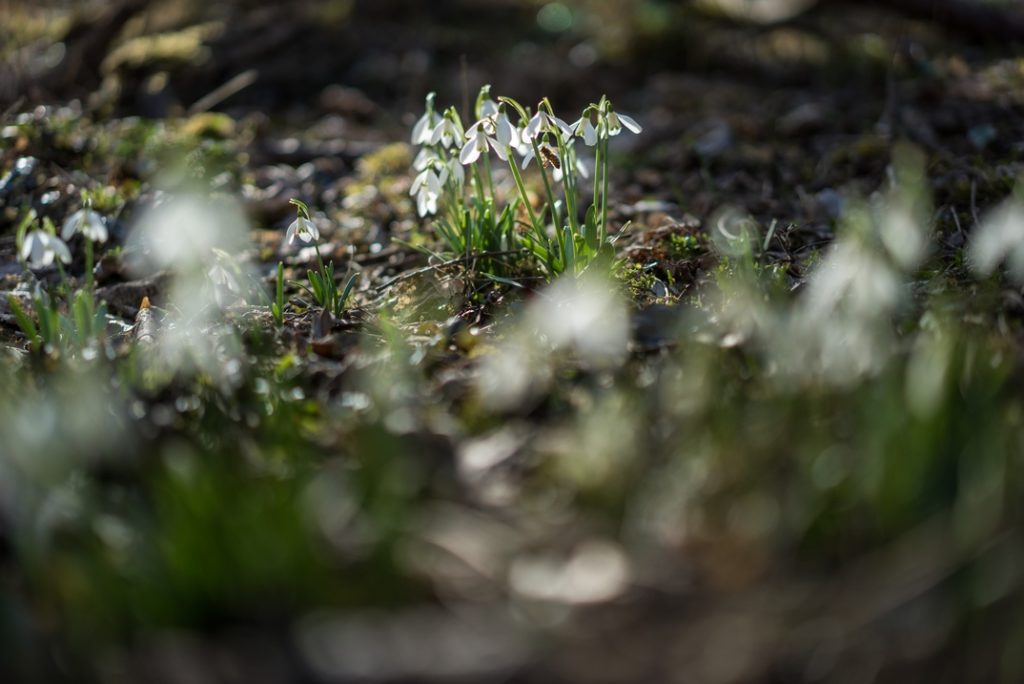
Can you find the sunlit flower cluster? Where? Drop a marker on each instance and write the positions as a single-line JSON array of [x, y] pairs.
[[516, 136]]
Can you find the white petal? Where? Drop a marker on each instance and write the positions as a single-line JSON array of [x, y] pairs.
[[72, 224], [504, 130], [488, 107], [470, 152], [289, 236], [58, 247], [499, 149], [533, 126], [564, 127], [312, 230], [581, 169], [419, 129], [94, 228], [27, 247], [418, 182], [629, 123], [422, 159], [433, 183], [589, 133], [528, 157], [436, 133]]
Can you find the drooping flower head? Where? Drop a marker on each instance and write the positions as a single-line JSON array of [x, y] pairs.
[[39, 249], [448, 131], [545, 122], [601, 121], [485, 106], [424, 127], [87, 222]]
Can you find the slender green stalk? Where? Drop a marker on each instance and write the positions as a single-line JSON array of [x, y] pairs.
[[537, 228], [547, 183], [604, 191], [88, 265]]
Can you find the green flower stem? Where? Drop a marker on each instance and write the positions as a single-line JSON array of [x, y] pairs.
[[537, 228], [547, 183], [604, 191], [88, 265], [490, 178], [568, 185]]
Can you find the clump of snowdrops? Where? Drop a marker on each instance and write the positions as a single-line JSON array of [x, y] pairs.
[[567, 231]]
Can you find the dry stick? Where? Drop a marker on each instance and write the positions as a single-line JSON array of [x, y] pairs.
[[445, 264], [232, 86]]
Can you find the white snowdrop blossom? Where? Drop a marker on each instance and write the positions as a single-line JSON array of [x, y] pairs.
[[457, 172], [40, 248], [446, 132], [617, 121], [425, 158], [88, 223], [486, 107], [608, 124], [584, 127], [504, 131], [303, 229], [424, 127], [479, 136], [542, 122], [427, 189]]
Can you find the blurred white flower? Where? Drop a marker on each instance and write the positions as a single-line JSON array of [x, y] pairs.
[[903, 236], [182, 231], [424, 127], [426, 187], [302, 229], [88, 223], [585, 316], [999, 237], [40, 248]]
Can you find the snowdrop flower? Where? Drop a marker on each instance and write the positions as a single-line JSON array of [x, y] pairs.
[[425, 158], [505, 132], [617, 121], [303, 229], [542, 122], [485, 106], [457, 172], [447, 131], [479, 136], [610, 123], [427, 189], [40, 248], [424, 127], [584, 127], [88, 223]]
